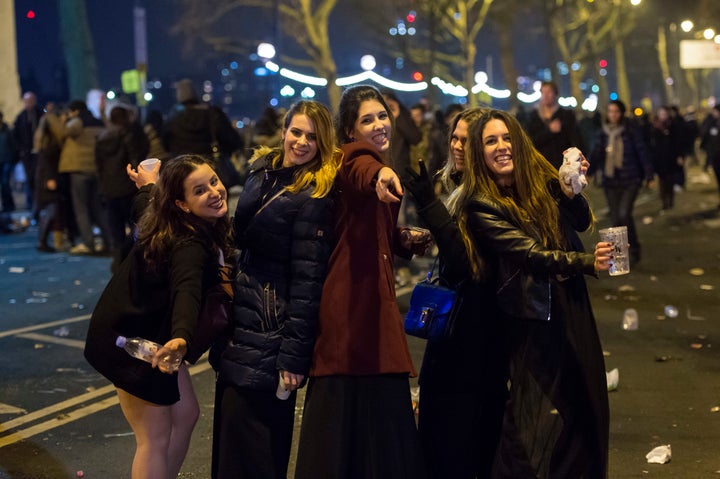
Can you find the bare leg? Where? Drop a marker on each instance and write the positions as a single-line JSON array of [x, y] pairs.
[[152, 425], [184, 415]]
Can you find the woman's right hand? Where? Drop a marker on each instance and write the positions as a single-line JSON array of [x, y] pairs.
[[141, 176], [175, 347], [603, 255]]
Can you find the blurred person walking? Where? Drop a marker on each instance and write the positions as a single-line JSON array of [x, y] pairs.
[[202, 129], [358, 420], [24, 129], [52, 210], [621, 157], [710, 141], [156, 294], [7, 162], [122, 143], [666, 154], [283, 226], [79, 130], [520, 226], [460, 420], [553, 129]]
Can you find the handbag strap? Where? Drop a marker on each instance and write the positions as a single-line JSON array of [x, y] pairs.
[[431, 273]]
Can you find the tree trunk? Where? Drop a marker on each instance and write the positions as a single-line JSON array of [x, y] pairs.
[[78, 46], [469, 74], [664, 66], [622, 77], [10, 103], [507, 61]]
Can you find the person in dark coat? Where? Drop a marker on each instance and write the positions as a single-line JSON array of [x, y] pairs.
[[24, 129], [710, 141], [463, 380], [283, 226], [553, 129], [122, 143], [202, 129], [156, 294], [620, 154], [666, 154], [7, 161], [52, 210], [358, 420], [520, 226]]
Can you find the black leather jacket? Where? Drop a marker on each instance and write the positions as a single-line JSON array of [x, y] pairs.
[[525, 268], [285, 248]]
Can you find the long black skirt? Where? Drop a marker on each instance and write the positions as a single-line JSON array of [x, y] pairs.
[[359, 427]]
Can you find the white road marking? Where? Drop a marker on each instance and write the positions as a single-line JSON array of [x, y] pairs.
[[73, 343], [71, 416]]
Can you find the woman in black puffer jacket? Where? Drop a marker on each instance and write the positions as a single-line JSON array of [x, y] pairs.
[[283, 226]]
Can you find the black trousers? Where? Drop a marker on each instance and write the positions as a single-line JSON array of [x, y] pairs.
[[252, 433]]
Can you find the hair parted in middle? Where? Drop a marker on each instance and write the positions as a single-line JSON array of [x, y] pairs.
[[529, 202], [349, 109]]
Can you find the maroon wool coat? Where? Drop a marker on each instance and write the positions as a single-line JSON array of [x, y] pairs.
[[360, 327]]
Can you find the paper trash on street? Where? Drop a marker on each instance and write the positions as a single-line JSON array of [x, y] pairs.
[[659, 455]]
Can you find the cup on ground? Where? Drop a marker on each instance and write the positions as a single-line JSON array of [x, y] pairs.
[[620, 263]]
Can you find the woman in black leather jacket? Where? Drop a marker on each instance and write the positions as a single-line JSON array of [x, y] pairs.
[[463, 380], [511, 207], [283, 226]]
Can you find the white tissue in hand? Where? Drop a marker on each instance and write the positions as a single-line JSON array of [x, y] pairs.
[[570, 170]]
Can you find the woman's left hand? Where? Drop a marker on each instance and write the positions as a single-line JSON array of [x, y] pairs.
[[417, 240], [603, 256], [291, 381], [175, 347], [388, 182]]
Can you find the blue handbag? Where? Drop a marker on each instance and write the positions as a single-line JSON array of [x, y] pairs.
[[432, 311]]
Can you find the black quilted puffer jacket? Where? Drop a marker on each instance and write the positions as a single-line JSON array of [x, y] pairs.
[[285, 241]]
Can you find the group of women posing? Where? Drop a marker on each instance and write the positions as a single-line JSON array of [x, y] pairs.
[[314, 302]]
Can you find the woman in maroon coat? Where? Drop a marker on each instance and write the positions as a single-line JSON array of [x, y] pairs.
[[358, 420]]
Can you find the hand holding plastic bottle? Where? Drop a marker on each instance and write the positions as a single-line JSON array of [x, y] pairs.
[[176, 347]]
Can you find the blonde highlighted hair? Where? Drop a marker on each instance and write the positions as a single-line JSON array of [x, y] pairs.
[[319, 173]]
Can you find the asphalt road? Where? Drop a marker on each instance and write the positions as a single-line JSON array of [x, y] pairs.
[[58, 417]]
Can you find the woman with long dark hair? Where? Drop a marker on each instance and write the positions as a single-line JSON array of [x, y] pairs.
[[511, 208], [156, 294], [358, 420]]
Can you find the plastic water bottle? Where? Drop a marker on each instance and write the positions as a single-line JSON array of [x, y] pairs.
[[281, 392], [145, 350]]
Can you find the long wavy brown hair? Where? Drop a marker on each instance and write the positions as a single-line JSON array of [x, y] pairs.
[[529, 203], [163, 224]]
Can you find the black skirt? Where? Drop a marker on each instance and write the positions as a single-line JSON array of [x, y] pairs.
[[359, 427]]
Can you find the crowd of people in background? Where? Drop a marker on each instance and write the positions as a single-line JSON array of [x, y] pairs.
[[318, 240]]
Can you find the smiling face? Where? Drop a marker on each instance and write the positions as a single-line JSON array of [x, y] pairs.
[[205, 195], [299, 141], [373, 124], [497, 151], [457, 144]]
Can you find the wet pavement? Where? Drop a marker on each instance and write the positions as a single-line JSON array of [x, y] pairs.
[[58, 417]]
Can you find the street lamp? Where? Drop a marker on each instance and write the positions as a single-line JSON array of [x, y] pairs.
[[709, 34], [266, 51], [687, 25]]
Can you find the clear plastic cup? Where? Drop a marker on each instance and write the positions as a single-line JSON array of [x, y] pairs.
[[149, 164], [620, 263]]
